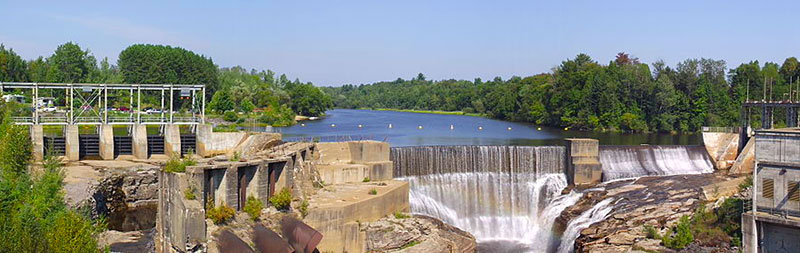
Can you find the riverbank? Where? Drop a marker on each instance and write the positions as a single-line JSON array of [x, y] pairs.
[[428, 112]]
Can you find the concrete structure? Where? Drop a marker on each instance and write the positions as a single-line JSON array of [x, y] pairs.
[[139, 134], [107, 142], [350, 162], [72, 152], [37, 134], [210, 143], [582, 162], [773, 223], [172, 140], [722, 145]]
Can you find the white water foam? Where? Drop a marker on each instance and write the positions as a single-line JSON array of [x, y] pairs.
[[595, 214], [635, 161]]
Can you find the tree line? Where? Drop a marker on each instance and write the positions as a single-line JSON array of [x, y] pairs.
[[623, 95], [235, 89]]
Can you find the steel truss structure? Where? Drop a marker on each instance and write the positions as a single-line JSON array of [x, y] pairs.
[[87, 104]]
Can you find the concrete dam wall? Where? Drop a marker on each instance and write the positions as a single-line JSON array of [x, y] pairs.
[[506, 196], [648, 160]]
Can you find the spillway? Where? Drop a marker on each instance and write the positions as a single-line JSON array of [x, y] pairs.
[[497, 193], [512, 195], [635, 161]]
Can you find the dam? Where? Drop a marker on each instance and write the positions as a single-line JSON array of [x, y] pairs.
[[513, 194]]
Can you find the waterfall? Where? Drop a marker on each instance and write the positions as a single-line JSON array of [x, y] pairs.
[[497, 193], [595, 214], [636, 161], [420, 161]]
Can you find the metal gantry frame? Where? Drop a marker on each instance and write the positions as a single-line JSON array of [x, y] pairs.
[[92, 104]]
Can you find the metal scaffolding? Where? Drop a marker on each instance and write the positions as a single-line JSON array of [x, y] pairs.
[[87, 104]]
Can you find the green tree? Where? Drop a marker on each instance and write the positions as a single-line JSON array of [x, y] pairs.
[[12, 67], [70, 64]]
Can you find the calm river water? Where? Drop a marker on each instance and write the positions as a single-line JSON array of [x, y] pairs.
[[421, 129]]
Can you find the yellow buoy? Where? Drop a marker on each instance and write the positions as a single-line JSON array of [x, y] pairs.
[[390, 125], [333, 125], [480, 128], [359, 125], [539, 128], [419, 127], [566, 128], [509, 128], [303, 124]]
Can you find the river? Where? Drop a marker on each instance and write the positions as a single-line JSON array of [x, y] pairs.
[[423, 129]]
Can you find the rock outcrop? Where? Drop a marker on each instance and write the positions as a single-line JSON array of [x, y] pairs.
[[656, 201], [416, 234]]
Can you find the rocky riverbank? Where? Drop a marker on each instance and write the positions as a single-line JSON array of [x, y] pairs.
[[659, 202]]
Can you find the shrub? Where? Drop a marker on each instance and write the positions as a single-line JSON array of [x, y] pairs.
[[230, 116], [400, 215], [746, 184], [176, 165], [651, 232], [373, 192], [682, 235], [72, 232], [220, 214], [189, 193], [366, 179], [226, 128], [304, 208], [282, 199], [253, 207], [236, 157]]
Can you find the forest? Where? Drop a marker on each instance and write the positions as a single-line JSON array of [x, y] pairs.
[[624, 95], [263, 95]]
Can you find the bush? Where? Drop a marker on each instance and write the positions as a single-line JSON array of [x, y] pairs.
[[682, 235], [282, 199], [366, 180], [373, 192], [400, 215], [304, 208], [746, 184], [230, 116], [236, 157], [253, 207], [189, 193], [651, 232], [226, 128], [72, 232], [219, 214], [176, 165]]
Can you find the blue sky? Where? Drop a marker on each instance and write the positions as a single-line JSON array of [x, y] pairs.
[[340, 42]]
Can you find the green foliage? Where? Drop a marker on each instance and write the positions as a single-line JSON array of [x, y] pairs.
[[282, 199], [651, 232], [748, 182], [682, 235], [220, 214], [12, 67], [33, 214], [623, 95], [366, 180], [236, 156], [70, 64], [303, 208], [225, 128], [222, 102], [253, 207], [230, 116], [141, 63], [178, 165], [247, 106], [400, 215], [373, 192], [277, 116], [308, 100], [190, 193], [409, 245]]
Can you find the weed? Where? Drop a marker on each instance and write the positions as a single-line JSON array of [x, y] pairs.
[[189, 193], [220, 214], [253, 207], [366, 180], [373, 192], [282, 199], [304, 208], [400, 215]]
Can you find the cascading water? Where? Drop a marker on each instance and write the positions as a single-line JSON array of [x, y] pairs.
[[497, 193], [635, 161], [595, 214]]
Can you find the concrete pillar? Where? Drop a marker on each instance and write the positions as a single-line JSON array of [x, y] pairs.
[[766, 118], [203, 137], [139, 134], [791, 117], [749, 233], [172, 140], [37, 138], [583, 162], [107, 142], [72, 152]]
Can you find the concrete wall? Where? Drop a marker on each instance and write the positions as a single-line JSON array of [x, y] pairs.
[[350, 162], [583, 163], [722, 148], [107, 142], [338, 222], [172, 140], [210, 143], [139, 136], [746, 161], [778, 158], [180, 221], [778, 146], [37, 137], [72, 152]]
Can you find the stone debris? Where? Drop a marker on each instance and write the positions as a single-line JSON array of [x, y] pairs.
[[416, 234]]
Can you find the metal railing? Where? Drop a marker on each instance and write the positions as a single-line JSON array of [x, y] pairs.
[[709, 129]]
